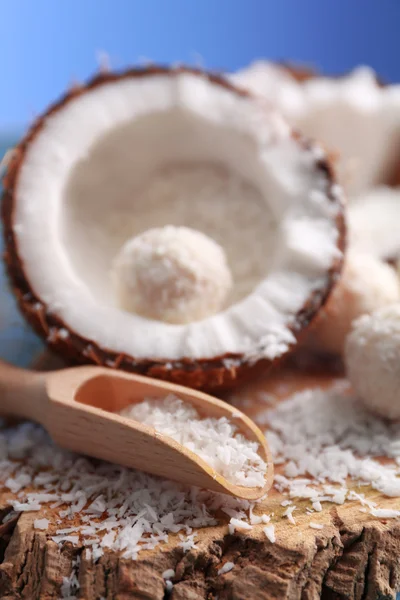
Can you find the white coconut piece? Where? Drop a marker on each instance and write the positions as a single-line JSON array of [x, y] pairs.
[[367, 284], [173, 274], [353, 116], [129, 152], [373, 360], [374, 222], [273, 83]]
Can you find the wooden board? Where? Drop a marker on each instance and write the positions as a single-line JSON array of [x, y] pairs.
[[355, 556]]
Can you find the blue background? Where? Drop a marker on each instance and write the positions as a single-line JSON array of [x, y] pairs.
[[45, 44]]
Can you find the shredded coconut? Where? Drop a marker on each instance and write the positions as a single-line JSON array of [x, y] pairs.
[[238, 524], [329, 438], [228, 566], [289, 514], [315, 525], [216, 441], [270, 533], [326, 434], [385, 513], [265, 518], [187, 542], [41, 523], [111, 507]]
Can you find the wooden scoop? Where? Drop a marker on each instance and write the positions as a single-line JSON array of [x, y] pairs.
[[78, 408]]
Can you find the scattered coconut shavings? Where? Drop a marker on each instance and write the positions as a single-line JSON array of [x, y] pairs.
[[238, 524], [216, 441], [265, 518], [270, 533], [41, 524], [111, 507], [228, 566], [317, 506], [289, 514], [325, 434], [25, 506], [315, 525], [254, 519], [385, 513], [328, 437], [187, 543]]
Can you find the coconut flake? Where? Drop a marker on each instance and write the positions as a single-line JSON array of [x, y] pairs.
[[25, 506], [216, 441], [270, 533], [228, 566], [238, 524], [187, 543], [385, 513], [289, 514], [315, 525], [41, 524]]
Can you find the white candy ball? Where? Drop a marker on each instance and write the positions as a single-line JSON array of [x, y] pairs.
[[372, 359], [172, 274], [367, 284]]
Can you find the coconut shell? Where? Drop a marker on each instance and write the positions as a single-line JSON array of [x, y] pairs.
[[217, 373]]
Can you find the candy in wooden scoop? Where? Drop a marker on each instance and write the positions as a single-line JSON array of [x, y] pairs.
[[79, 408]]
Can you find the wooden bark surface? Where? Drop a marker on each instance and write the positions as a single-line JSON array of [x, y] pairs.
[[355, 556]]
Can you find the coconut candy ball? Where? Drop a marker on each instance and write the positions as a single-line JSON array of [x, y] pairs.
[[367, 284], [172, 274], [372, 359]]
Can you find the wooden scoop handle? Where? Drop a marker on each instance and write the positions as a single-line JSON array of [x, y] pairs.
[[22, 393]]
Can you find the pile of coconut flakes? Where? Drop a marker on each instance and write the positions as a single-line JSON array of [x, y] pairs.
[[323, 442]]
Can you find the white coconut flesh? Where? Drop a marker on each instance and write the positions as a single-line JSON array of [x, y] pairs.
[[143, 152], [374, 222], [353, 116]]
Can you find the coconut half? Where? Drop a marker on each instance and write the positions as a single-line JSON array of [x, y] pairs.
[[155, 147], [354, 116]]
